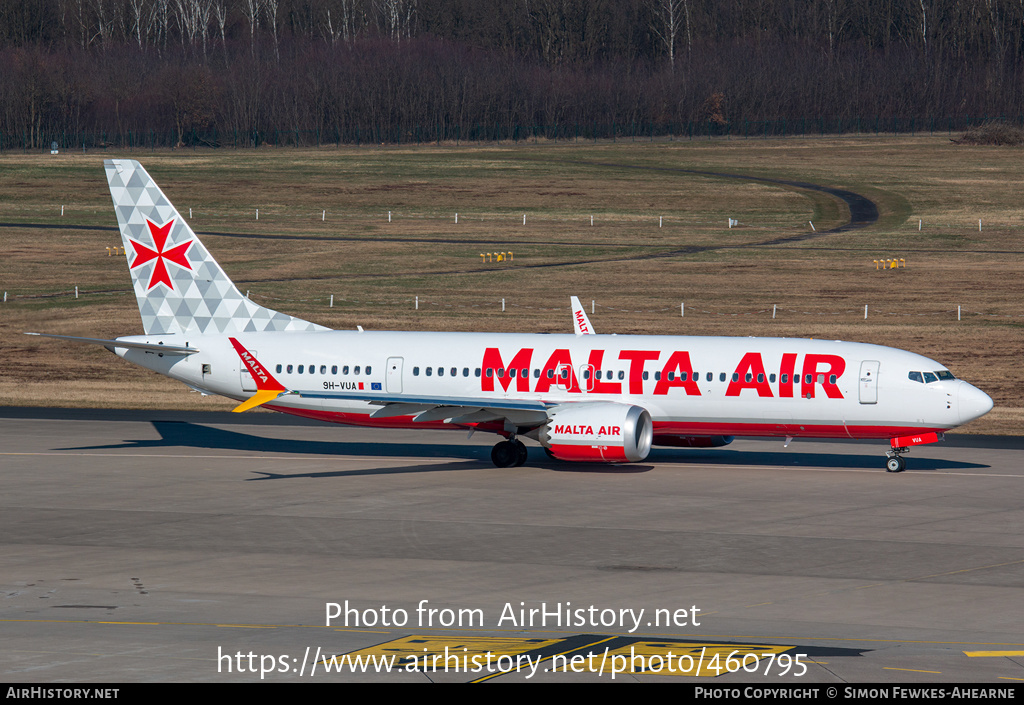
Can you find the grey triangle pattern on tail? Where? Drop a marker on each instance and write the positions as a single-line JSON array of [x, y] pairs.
[[200, 298]]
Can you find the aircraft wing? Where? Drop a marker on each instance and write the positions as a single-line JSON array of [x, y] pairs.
[[453, 409]]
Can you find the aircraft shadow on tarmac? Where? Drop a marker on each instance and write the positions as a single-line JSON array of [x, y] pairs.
[[182, 434]]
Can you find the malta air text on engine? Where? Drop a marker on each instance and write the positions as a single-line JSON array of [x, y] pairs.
[[646, 370]]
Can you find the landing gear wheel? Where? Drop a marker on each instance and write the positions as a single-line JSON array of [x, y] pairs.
[[505, 454], [521, 453], [895, 464]]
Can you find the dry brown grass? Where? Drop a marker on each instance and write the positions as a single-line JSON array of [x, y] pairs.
[[820, 286], [994, 133]]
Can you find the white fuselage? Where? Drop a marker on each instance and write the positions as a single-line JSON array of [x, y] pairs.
[[691, 386]]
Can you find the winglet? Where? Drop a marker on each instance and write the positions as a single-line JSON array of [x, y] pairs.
[[579, 318], [267, 388]]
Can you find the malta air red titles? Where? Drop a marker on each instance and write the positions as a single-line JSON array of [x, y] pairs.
[[581, 396]]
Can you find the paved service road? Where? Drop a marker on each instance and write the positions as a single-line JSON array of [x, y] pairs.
[[145, 545]]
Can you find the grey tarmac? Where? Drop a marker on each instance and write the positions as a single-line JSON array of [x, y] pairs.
[[142, 545]]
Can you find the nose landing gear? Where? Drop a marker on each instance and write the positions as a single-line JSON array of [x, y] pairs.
[[509, 454], [895, 462]]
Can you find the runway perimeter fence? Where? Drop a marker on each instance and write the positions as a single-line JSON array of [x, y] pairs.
[[507, 306]]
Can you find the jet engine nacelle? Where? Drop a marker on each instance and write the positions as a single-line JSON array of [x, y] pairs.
[[598, 432]]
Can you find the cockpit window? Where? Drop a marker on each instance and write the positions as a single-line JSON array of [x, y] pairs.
[[944, 374], [916, 377], [930, 377]]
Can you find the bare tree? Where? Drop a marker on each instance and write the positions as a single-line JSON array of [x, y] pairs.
[[137, 10], [251, 9], [194, 20], [220, 12], [670, 17], [271, 7], [397, 17], [342, 24]]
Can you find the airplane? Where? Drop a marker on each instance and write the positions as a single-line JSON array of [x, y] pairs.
[[582, 396]]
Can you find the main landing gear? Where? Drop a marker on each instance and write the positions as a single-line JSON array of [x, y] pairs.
[[509, 454], [895, 462]]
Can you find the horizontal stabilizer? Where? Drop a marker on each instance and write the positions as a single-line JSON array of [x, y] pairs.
[[111, 344]]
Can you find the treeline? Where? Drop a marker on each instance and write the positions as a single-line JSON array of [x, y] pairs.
[[224, 71]]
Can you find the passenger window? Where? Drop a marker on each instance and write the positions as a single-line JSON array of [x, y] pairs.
[[430, 371], [671, 376], [657, 376], [465, 372], [760, 378], [490, 371], [551, 374], [501, 372], [440, 372], [323, 369], [279, 369], [808, 379], [710, 377], [785, 379], [368, 368], [454, 372], [735, 377], [415, 371], [622, 374], [597, 375], [721, 377], [334, 369], [344, 370], [821, 379], [289, 368], [586, 374], [477, 372], [771, 378], [831, 379], [536, 373], [302, 369], [646, 375], [748, 377]]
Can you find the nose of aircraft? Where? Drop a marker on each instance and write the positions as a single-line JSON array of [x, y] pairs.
[[972, 402]]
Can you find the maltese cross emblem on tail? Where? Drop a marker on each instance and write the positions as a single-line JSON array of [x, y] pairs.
[[176, 254]]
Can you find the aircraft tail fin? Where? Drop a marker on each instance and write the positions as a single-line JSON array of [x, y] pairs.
[[179, 286]]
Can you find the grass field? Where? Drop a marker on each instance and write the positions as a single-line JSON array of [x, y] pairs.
[[375, 268]]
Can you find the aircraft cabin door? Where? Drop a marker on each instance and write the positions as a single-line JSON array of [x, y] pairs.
[[394, 375], [869, 382], [248, 383]]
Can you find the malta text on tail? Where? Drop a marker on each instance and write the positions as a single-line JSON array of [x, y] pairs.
[[179, 286]]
